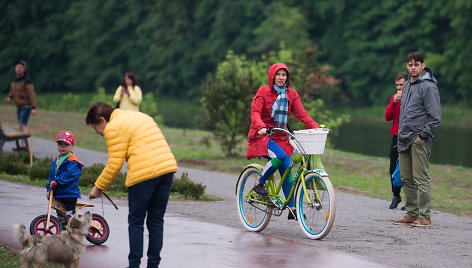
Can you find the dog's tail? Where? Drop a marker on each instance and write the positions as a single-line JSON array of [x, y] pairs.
[[19, 232]]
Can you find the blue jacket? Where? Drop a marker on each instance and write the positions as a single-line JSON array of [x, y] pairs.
[[67, 177]]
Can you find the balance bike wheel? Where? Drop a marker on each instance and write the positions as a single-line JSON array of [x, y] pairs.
[[38, 225], [99, 231]]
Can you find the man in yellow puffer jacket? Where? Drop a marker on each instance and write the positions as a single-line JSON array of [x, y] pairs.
[[136, 138]]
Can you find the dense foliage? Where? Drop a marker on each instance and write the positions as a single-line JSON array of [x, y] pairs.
[[78, 46]]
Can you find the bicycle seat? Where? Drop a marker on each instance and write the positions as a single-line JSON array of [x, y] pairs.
[[84, 204]]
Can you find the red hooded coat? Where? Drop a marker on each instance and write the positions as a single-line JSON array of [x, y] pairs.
[[260, 116]]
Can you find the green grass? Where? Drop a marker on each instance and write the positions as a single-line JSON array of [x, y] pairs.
[[10, 258], [349, 172]]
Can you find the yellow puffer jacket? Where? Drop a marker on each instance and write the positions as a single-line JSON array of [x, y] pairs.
[[136, 138]]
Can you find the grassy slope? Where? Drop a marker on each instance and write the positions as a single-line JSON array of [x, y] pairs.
[[452, 188]]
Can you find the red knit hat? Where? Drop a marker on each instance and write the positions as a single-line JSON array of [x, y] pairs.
[[65, 136]]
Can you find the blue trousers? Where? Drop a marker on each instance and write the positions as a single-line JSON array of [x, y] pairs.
[[274, 151], [147, 200], [23, 113]]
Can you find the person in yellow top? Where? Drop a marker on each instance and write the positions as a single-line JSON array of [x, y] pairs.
[[136, 138], [128, 95]]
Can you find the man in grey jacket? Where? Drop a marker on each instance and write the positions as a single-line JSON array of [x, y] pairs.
[[420, 117]]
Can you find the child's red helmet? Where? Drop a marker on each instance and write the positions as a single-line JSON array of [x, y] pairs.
[[65, 136]]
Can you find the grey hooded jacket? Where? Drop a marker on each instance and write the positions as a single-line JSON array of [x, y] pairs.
[[420, 111]]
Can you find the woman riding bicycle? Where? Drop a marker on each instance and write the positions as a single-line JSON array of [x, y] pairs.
[[271, 106]]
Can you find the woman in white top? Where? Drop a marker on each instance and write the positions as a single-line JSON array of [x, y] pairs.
[[128, 95]]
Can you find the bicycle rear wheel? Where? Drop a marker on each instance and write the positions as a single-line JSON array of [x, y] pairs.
[[316, 220], [254, 216]]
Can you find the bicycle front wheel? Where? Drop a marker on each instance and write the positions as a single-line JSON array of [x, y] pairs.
[[254, 216], [317, 218]]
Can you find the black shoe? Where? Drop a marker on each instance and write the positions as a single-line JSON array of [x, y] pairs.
[[403, 208], [261, 190], [395, 202], [292, 215]]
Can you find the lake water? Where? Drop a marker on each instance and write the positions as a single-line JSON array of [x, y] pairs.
[[451, 145]]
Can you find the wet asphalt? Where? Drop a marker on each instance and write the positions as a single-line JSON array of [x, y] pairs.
[[187, 242], [196, 235]]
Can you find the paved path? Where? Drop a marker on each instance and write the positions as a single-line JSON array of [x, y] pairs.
[[363, 227], [187, 242]]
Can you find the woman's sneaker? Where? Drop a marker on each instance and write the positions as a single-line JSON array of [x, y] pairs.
[[261, 190], [292, 215]]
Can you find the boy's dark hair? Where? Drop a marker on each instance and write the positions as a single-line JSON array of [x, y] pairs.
[[97, 110], [416, 56], [401, 75]]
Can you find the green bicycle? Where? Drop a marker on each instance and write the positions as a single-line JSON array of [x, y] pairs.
[[313, 192]]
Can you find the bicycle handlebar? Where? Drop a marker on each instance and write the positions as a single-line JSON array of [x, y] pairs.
[[271, 130]]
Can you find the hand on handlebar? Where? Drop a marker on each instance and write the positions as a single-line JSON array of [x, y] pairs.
[[262, 131]]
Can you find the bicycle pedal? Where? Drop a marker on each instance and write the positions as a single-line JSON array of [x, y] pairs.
[[257, 198], [278, 203]]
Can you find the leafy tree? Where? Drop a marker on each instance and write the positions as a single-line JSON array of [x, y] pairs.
[[227, 99], [282, 24], [457, 59], [32, 31], [103, 36], [167, 47], [78, 46]]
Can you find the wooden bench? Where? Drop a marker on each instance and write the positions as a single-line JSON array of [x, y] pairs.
[[14, 136]]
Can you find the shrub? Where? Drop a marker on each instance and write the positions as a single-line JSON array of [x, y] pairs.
[[14, 164], [188, 188], [227, 101], [69, 102], [91, 173], [40, 169]]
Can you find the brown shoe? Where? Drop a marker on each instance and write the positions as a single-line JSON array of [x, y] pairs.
[[422, 222], [406, 220]]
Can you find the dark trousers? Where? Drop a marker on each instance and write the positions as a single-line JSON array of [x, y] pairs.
[[147, 200], [69, 204], [393, 164]]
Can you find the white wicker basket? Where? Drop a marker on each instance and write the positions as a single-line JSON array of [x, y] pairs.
[[312, 140]]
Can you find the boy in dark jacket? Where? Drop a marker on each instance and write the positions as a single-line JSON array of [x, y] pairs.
[[65, 173]]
